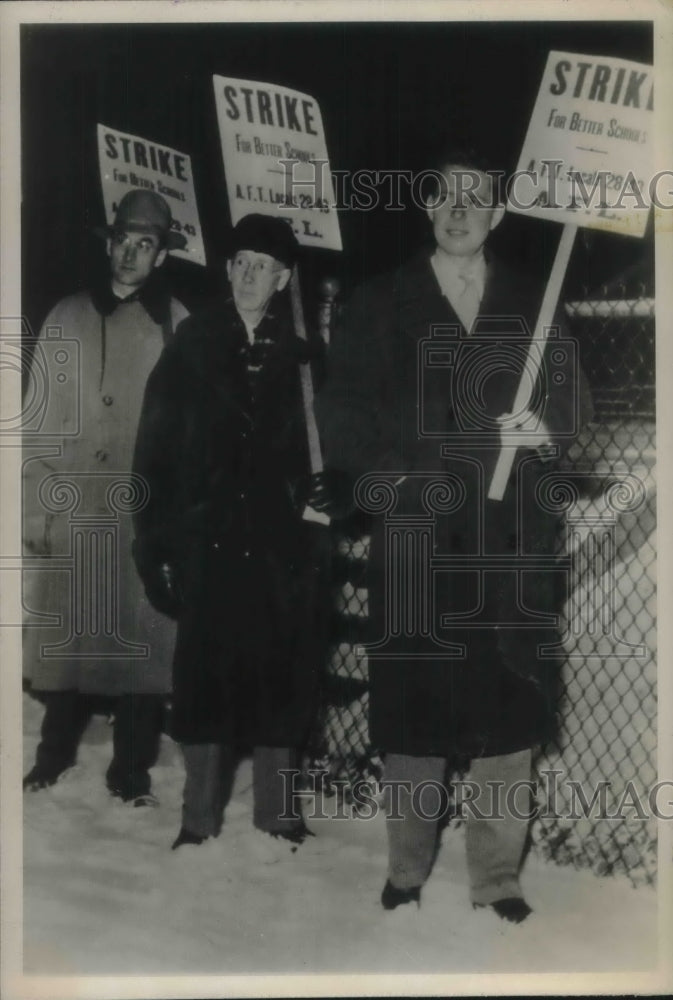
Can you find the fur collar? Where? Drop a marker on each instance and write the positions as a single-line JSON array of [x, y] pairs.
[[154, 296]]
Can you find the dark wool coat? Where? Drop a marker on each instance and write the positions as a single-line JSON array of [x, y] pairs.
[[409, 394], [222, 471]]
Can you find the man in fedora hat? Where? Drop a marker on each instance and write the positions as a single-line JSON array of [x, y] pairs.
[[109, 641], [222, 444]]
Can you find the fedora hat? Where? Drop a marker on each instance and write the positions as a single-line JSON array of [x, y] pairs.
[[144, 212]]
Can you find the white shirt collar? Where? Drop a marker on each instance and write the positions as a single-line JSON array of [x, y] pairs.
[[451, 271], [250, 330]]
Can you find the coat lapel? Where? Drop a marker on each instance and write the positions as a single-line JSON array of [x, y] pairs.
[[218, 355], [419, 301], [504, 312], [214, 354]]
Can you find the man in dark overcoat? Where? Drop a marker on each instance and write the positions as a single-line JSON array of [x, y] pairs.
[[222, 545], [422, 376]]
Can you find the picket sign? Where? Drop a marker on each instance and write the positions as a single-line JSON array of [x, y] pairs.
[[130, 163], [533, 361], [591, 128]]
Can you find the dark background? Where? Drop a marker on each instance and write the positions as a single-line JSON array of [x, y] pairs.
[[387, 92]]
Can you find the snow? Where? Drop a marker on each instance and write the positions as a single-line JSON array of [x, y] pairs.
[[105, 895]]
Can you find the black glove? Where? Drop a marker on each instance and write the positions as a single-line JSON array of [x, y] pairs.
[[163, 591], [329, 492], [161, 583]]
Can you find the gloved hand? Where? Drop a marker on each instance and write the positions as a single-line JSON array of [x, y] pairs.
[[527, 430], [163, 591], [329, 492], [161, 583]]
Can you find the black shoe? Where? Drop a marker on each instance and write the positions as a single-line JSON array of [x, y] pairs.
[[514, 909], [296, 835], [145, 800], [392, 897], [128, 794], [37, 778], [119, 793], [187, 837]]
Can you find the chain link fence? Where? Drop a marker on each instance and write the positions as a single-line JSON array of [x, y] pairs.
[[594, 779]]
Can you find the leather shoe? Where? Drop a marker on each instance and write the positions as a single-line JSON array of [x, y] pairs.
[[514, 909], [37, 778], [187, 837], [391, 897], [295, 836]]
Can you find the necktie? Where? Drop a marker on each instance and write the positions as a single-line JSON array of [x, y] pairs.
[[256, 357], [468, 299]]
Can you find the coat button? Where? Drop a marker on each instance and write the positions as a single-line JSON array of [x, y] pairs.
[[101, 455], [108, 400]]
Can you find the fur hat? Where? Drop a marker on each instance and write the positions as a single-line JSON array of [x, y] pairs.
[[264, 234]]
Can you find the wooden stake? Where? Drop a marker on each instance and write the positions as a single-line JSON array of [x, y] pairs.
[[505, 461], [314, 451]]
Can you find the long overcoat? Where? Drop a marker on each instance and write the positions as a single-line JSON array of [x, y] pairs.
[[222, 470], [88, 623], [411, 402]]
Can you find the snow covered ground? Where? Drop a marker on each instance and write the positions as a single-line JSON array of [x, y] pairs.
[[105, 895]]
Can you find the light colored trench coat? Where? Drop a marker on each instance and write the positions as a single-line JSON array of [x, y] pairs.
[[87, 622]]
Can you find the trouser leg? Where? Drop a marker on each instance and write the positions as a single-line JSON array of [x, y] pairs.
[[65, 719], [495, 845], [209, 769], [136, 739], [412, 838], [273, 806]]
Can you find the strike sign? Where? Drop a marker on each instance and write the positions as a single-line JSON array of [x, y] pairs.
[[275, 158], [587, 156], [128, 162]]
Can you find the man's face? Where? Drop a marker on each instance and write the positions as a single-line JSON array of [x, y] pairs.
[[461, 215], [254, 278], [133, 257]]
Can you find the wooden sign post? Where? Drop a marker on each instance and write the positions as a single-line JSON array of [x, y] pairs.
[[314, 450], [534, 358]]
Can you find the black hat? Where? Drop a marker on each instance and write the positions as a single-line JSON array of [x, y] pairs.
[[145, 212], [264, 234]]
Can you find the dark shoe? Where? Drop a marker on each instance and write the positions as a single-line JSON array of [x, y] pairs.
[[129, 794], [187, 837], [38, 778], [145, 800], [392, 897], [118, 792], [513, 909], [295, 836]]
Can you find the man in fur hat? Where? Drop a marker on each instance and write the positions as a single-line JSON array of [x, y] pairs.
[[222, 444], [120, 326]]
